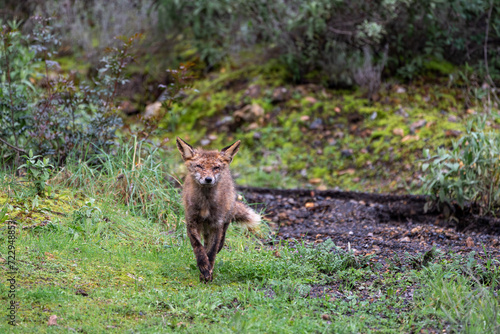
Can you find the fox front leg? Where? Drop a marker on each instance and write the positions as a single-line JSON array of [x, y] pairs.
[[201, 256], [213, 242]]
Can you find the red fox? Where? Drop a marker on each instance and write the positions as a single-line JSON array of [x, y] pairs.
[[209, 199]]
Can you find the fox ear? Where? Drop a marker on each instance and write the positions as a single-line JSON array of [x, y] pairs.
[[230, 151], [187, 151]]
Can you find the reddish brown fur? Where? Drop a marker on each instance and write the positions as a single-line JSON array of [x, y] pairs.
[[210, 203]]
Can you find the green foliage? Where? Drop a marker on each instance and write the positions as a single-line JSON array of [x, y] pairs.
[[133, 174], [470, 172], [328, 258], [59, 117], [457, 292], [38, 172], [17, 69], [329, 39], [87, 219]]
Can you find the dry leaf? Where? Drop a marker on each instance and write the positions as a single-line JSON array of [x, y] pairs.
[[409, 137], [53, 320], [310, 99], [349, 171], [316, 180], [398, 132], [469, 242]]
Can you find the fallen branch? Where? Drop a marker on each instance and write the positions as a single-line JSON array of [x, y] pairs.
[[18, 149]]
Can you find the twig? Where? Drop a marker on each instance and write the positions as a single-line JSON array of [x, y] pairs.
[[488, 77], [18, 149]]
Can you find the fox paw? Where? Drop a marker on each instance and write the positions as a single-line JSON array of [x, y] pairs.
[[205, 275], [206, 279]]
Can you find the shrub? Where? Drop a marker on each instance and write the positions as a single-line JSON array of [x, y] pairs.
[[57, 116], [329, 37], [38, 172], [470, 172]]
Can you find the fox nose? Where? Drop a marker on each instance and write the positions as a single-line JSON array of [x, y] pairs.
[[208, 179]]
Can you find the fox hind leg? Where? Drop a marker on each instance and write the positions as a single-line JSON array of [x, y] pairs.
[[223, 238]]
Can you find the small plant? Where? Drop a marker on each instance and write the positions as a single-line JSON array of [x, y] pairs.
[[38, 172], [470, 172], [329, 258], [86, 219]]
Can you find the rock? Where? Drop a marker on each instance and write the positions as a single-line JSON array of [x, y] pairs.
[[224, 120], [253, 91], [453, 133], [346, 153], [128, 108], [204, 142], [280, 94], [249, 113], [400, 90], [152, 110], [252, 126], [417, 125], [401, 111], [316, 124], [405, 239], [267, 169]]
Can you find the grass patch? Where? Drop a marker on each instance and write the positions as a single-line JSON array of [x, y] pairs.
[[101, 258]]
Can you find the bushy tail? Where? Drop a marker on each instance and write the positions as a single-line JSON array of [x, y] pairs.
[[245, 216]]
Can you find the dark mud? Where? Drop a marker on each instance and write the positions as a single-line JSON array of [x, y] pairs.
[[392, 230]]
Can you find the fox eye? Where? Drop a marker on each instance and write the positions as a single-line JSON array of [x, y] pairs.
[[216, 168], [198, 166]]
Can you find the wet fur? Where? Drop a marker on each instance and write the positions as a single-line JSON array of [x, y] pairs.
[[210, 207]]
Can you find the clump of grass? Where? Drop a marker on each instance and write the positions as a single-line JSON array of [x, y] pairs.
[[460, 297], [134, 174]]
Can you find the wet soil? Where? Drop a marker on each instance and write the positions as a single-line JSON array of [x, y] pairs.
[[389, 230]]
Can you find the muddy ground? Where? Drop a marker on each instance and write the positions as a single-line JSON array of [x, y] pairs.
[[390, 229]]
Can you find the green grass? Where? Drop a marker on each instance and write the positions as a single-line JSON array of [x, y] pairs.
[[139, 272]]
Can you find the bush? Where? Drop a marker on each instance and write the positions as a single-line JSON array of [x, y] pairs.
[[92, 25], [329, 37], [56, 116], [470, 172]]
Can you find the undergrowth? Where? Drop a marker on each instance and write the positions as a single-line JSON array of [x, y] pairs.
[[106, 250]]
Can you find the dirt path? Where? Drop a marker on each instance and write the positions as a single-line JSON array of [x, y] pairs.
[[384, 226]]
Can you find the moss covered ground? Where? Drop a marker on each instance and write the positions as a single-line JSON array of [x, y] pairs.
[[310, 136]]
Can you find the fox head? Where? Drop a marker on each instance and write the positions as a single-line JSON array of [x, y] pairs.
[[207, 167]]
